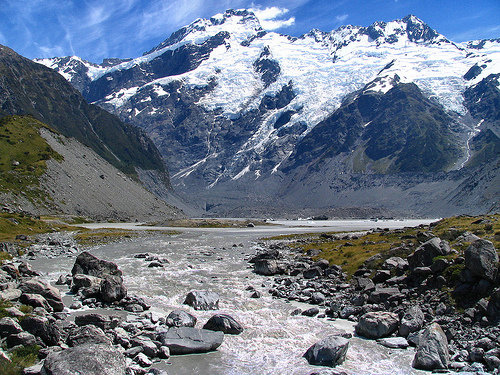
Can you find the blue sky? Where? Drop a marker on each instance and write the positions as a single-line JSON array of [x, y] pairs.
[[95, 29]]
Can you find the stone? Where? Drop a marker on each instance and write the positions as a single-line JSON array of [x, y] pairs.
[[21, 338], [223, 323], [43, 288], [163, 352], [88, 264], [266, 267], [188, 340], [104, 322], [9, 326], [142, 360], [395, 263], [202, 300], [381, 295], [80, 281], [112, 289], [88, 359], [34, 300], [481, 259], [394, 342], [381, 276], [412, 321], [377, 324], [331, 351], [26, 270], [41, 327], [33, 370], [317, 298], [179, 318], [424, 255], [10, 294], [149, 348], [312, 272], [313, 311], [89, 334], [432, 350]]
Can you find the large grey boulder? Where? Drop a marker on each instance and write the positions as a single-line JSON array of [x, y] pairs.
[[88, 264], [81, 281], [424, 255], [148, 347], [179, 318], [104, 322], [88, 359], [432, 350], [188, 340], [381, 295], [481, 259], [42, 328], [223, 323], [43, 288], [89, 334], [9, 326], [330, 351], [21, 338], [266, 267], [377, 324], [413, 320], [112, 289], [202, 300], [35, 300]]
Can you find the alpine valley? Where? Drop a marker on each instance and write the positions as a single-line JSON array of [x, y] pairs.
[[391, 118]]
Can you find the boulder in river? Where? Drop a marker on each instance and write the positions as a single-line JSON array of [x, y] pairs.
[[179, 318], [202, 300], [377, 324], [88, 264], [188, 340], [112, 289], [481, 259], [331, 351], [88, 359], [432, 350], [266, 267], [223, 323]]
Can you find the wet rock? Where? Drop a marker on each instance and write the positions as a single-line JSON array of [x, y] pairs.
[[394, 342], [317, 298], [313, 311], [424, 255], [148, 347], [432, 350], [88, 334], [412, 321], [256, 294], [266, 267], [481, 259], [88, 264], [21, 338], [26, 270], [377, 324], [64, 280], [163, 352], [223, 323], [88, 359], [202, 300], [9, 326], [104, 322], [179, 318], [41, 327], [112, 289], [187, 340], [43, 288], [330, 351]]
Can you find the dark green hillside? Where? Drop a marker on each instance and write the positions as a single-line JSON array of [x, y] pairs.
[[23, 156], [28, 88]]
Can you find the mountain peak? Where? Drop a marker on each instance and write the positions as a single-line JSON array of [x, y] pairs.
[[241, 22]]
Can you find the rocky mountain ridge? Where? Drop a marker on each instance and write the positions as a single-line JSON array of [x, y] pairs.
[[232, 106]]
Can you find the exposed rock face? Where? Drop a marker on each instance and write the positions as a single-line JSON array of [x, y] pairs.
[[481, 259], [330, 351], [187, 340], [88, 264], [223, 323], [377, 324], [202, 300], [89, 334], [88, 359], [432, 350]]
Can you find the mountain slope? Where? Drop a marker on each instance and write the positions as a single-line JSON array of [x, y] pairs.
[[238, 110]]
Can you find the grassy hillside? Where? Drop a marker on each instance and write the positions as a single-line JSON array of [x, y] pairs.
[[23, 157]]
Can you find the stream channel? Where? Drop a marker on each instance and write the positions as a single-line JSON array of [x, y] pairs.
[[205, 259]]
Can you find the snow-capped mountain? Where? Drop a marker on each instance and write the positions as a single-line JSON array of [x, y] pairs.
[[230, 104]]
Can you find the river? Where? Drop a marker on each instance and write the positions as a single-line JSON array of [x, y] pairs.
[[206, 259]]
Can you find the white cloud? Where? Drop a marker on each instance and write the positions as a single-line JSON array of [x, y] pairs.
[[341, 18], [268, 17]]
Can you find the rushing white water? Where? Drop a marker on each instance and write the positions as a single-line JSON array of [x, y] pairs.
[[273, 341]]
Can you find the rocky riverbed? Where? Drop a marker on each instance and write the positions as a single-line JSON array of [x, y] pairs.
[[132, 310]]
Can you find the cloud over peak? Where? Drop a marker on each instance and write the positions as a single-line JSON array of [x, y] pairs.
[[270, 17]]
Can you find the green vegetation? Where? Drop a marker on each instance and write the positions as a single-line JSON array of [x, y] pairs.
[[101, 236], [212, 223], [351, 253], [20, 358], [23, 157]]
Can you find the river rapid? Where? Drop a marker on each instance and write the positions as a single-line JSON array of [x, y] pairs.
[[216, 259]]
